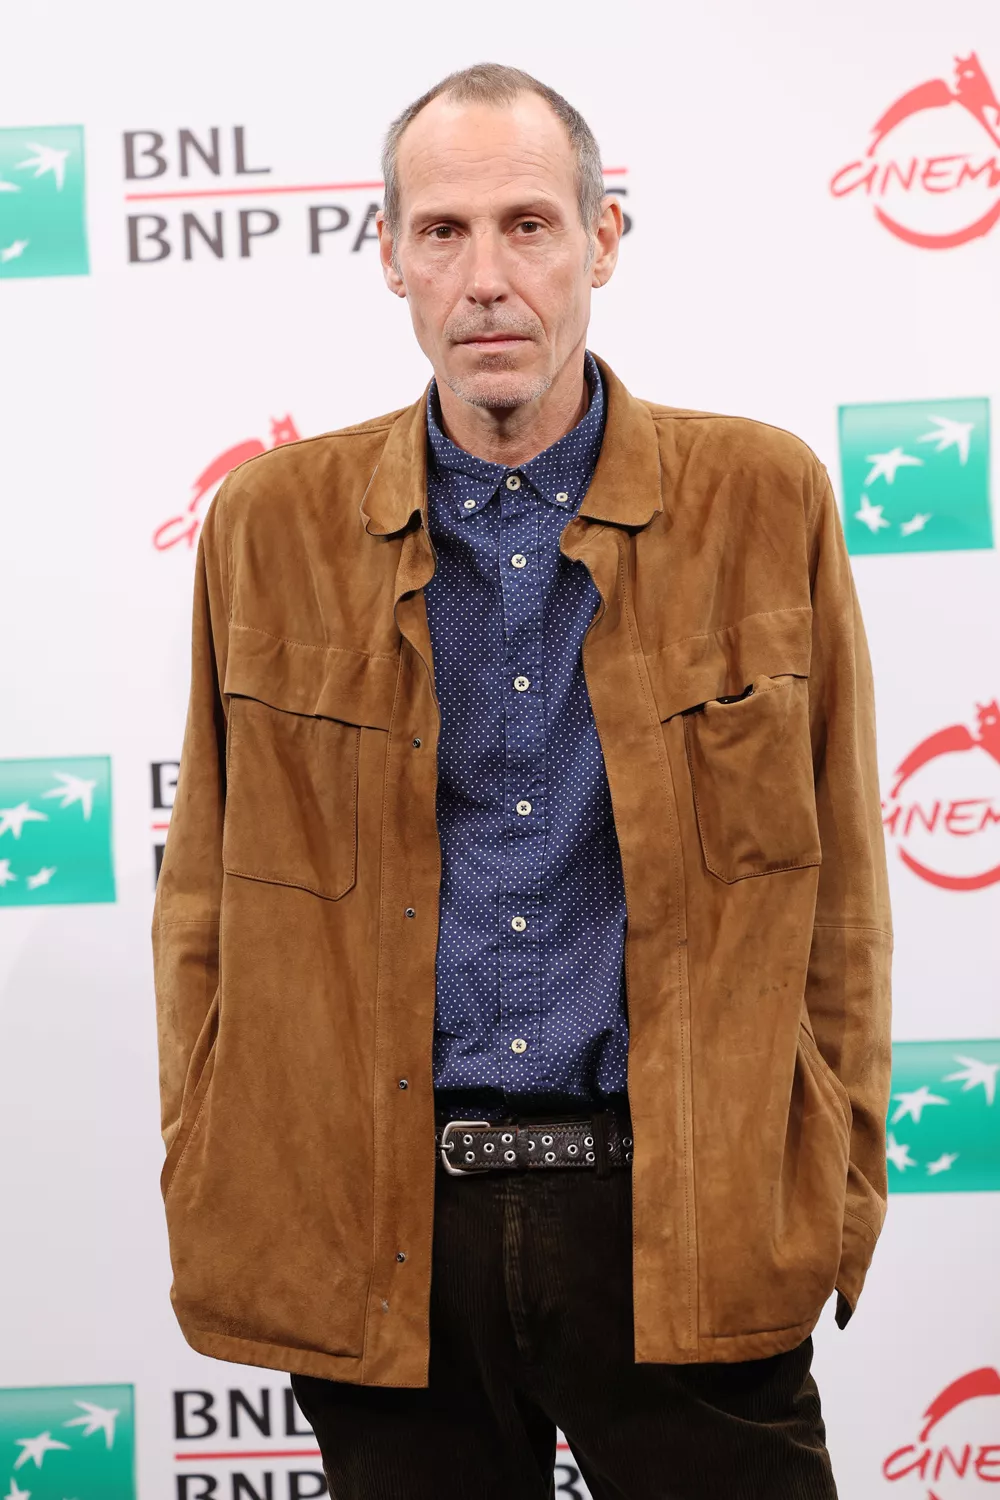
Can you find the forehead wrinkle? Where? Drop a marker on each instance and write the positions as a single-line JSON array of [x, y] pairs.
[[456, 195], [513, 194], [455, 162]]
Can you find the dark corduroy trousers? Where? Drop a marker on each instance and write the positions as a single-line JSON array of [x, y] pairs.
[[530, 1328]]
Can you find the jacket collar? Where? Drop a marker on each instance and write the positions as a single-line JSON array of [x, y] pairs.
[[626, 489]]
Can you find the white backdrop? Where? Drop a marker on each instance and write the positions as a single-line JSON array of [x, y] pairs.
[[745, 285]]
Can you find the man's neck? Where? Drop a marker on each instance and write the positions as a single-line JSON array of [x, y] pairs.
[[513, 435]]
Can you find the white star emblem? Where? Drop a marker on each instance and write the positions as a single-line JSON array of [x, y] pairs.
[[871, 516], [95, 1419], [14, 818], [6, 873], [17, 1494], [950, 434], [49, 159], [36, 1448], [8, 187], [974, 1073], [914, 1103], [74, 789], [944, 1163], [899, 1153], [915, 523], [884, 465], [13, 250], [42, 877]]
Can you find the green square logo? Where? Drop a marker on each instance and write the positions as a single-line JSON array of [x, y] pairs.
[[43, 204], [71, 1440], [944, 1118], [916, 476], [55, 831]]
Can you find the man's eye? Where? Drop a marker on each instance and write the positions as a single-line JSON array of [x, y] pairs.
[[529, 225], [441, 231]]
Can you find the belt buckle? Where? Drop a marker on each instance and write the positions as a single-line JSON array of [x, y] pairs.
[[443, 1148]]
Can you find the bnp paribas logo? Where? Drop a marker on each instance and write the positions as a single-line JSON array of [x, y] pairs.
[[916, 476], [944, 1117], [43, 211], [55, 831], [68, 1441]]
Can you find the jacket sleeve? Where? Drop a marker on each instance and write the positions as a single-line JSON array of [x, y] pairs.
[[185, 930], [849, 979]]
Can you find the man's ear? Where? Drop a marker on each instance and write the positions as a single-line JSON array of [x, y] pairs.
[[610, 227], [386, 249]]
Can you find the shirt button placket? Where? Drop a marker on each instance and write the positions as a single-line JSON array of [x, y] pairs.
[[520, 956]]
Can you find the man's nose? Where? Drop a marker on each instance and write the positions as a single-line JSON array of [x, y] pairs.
[[487, 281]]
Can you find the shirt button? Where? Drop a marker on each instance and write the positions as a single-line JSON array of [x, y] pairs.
[[524, 808], [519, 559], [513, 482], [518, 924], [522, 684], [562, 497], [519, 1044], [470, 504]]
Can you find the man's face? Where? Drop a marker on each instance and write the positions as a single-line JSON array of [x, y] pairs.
[[490, 251]]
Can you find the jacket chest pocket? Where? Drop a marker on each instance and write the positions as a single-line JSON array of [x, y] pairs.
[[291, 798], [750, 760], [297, 714], [737, 700]]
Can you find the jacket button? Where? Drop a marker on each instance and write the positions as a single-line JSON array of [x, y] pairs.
[[404, 1083], [416, 744], [410, 912], [400, 1255]]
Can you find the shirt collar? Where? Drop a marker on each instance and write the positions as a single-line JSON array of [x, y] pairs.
[[560, 475]]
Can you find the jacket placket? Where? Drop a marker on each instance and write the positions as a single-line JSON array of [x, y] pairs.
[[397, 1334], [644, 803]]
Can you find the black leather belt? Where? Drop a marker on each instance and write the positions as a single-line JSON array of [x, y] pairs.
[[599, 1141]]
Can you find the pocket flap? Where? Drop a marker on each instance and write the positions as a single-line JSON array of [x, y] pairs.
[[701, 667], [333, 682]]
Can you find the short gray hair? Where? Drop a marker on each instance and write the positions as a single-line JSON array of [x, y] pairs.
[[492, 83]]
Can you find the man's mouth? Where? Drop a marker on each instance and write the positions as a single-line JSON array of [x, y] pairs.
[[482, 340]]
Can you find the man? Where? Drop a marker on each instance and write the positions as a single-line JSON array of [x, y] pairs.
[[522, 938]]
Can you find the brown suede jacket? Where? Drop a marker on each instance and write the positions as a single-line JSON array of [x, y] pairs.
[[296, 999]]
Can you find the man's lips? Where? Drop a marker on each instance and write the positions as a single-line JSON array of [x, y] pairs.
[[496, 338]]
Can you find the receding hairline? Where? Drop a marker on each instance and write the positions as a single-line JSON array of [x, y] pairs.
[[499, 87]]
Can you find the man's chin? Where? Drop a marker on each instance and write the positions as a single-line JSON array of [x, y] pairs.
[[498, 388]]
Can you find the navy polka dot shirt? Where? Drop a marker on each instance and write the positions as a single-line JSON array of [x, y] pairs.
[[530, 1006]]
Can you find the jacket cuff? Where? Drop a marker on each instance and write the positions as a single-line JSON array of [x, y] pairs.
[[856, 1253]]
